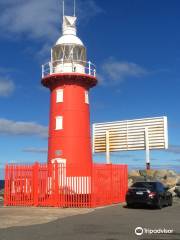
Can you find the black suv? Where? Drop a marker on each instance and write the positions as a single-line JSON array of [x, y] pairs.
[[154, 194]]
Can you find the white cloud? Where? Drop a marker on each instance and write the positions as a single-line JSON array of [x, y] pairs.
[[114, 72], [39, 19], [7, 87], [35, 150], [35, 18], [9, 127]]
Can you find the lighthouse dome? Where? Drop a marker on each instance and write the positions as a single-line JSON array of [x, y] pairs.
[[69, 32], [69, 39]]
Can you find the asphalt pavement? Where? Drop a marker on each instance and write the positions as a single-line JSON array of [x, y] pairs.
[[109, 223]]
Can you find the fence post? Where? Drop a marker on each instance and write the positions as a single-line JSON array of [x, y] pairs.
[[112, 184], [56, 183], [126, 180], [93, 184], [91, 189], [35, 182], [6, 188]]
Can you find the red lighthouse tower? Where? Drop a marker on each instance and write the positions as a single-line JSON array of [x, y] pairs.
[[69, 77]]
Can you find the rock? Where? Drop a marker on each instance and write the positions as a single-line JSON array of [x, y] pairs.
[[177, 190], [137, 179], [171, 173], [178, 181], [159, 174], [172, 190], [151, 173], [130, 182], [143, 173], [176, 200], [2, 192], [170, 181], [134, 173]]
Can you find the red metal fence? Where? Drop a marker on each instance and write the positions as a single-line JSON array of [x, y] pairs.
[[49, 185]]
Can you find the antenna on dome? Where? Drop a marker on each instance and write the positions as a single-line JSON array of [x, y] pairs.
[[74, 8], [63, 6]]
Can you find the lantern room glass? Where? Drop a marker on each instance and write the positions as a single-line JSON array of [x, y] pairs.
[[69, 53]]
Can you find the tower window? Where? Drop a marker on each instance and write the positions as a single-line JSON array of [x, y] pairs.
[[59, 123], [58, 152], [86, 97], [59, 95]]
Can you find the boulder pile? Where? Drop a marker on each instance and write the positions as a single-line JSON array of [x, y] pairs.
[[169, 178], [1, 196]]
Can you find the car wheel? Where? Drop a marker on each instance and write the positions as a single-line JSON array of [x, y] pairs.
[[170, 201], [129, 205], [159, 204]]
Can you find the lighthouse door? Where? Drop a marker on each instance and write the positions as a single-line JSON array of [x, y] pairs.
[[59, 160], [61, 171]]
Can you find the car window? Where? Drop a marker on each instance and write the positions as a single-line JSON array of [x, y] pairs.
[[160, 187], [149, 185]]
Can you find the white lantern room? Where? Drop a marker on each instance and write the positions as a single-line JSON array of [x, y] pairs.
[[69, 53]]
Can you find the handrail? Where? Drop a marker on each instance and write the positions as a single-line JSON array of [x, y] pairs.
[[51, 67]]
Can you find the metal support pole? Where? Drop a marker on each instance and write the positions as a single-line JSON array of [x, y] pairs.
[[50, 67], [147, 149], [56, 183], [108, 161], [94, 72], [74, 8], [51, 55], [89, 67], [63, 7], [42, 71]]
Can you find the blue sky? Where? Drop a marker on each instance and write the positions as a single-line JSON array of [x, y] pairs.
[[135, 46]]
